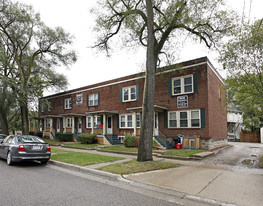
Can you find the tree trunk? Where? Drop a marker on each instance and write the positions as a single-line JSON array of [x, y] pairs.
[[24, 115], [146, 136], [4, 123]]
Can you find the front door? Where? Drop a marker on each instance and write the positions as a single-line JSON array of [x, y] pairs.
[[109, 124], [156, 125], [58, 125], [79, 125]]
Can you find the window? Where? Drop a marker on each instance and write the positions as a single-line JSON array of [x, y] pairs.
[[172, 120], [184, 119], [126, 121], [69, 122], [88, 122], [49, 107], [68, 103], [93, 99], [98, 121], [129, 94], [47, 123], [42, 107], [79, 99], [182, 85], [195, 118], [138, 120]]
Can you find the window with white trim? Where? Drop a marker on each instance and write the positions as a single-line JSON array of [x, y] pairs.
[[69, 122], [67, 103], [98, 121], [47, 123], [126, 121], [88, 122], [182, 85], [93, 99], [138, 120], [184, 119], [79, 99], [129, 94], [172, 120]]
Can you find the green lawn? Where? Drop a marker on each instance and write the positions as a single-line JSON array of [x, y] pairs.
[[182, 152], [135, 167], [56, 150], [79, 145], [82, 158], [121, 148]]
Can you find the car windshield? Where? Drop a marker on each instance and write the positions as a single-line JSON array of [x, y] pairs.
[[28, 139]]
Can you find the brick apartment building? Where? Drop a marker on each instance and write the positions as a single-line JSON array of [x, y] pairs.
[[188, 101]]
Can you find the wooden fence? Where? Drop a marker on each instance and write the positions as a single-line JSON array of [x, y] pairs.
[[250, 137]]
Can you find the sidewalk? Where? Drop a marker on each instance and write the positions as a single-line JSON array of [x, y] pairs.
[[202, 183]]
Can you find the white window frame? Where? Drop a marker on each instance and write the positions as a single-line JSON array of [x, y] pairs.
[[79, 99], [138, 120], [126, 122], [88, 121], [67, 103], [129, 94], [49, 107], [93, 99], [169, 119], [95, 121], [48, 123], [68, 122], [189, 118], [182, 85]]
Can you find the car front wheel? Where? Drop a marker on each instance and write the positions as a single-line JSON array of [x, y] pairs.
[[9, 159]]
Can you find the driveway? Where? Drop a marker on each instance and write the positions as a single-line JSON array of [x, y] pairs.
[[222, 177], [239, 155]]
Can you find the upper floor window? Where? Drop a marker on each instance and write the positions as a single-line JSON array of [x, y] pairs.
[[182, 85], [79, 99], [126, 121], [42, 107], [93, 99], [68, 103], [49, 107], [129, 93]]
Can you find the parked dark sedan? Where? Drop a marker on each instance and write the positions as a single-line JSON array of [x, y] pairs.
[[24, 147], [2, 136]]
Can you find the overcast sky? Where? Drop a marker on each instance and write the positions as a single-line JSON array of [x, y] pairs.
[[92, 67]]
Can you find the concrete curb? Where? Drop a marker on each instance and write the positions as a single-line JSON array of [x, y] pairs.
[[181, 198], [88, 171]]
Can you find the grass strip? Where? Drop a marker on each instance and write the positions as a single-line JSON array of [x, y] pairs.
[[79, 145], [56, 150], [82, 158], [182, 152], [121, 148], [135, 167], [53, 142]]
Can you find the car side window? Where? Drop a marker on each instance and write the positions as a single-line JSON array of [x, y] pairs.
[[8, 140]]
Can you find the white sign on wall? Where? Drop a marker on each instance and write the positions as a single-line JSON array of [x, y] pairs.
[[182, 101]]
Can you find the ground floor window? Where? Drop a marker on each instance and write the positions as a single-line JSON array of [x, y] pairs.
[[184, 119], [126, 121], [69, 122]]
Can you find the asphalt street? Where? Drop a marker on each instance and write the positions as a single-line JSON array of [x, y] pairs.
[[36, 184]]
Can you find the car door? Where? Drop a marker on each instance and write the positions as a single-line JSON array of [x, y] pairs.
[[5, 146]]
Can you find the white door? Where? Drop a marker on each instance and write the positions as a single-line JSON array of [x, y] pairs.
[[79, 125], [58, 125], [109, 124], [156, 124]]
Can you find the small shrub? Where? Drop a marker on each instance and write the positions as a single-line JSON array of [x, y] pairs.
[[129, 140], [86, 138], [64, 137]]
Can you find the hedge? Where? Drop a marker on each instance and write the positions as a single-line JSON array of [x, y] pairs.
[[86, 138], [64, 137]]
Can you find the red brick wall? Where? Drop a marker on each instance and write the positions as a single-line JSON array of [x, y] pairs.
[[206, 97]]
